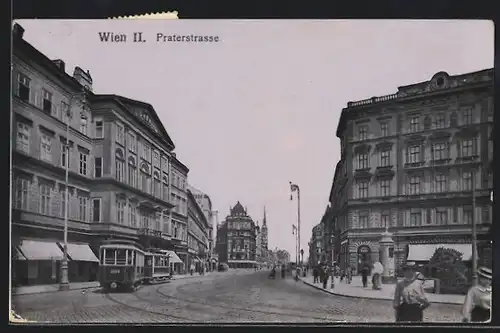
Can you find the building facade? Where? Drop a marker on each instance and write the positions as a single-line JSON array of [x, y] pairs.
[[119, 159], [178, 197], [410, 163], [198, 238], [316, 248], [236, 239], [205, 203]]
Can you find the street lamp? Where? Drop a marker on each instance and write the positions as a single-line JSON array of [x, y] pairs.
[[294, 230], [64, 284], [474, 232], [295, 188]]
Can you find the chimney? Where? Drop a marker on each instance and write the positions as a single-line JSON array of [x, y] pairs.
[[83, 78], [18, 31], [60, 64]]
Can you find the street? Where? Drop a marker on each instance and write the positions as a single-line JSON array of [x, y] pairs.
[[234, 296]]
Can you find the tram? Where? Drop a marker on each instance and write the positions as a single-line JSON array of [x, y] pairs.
[[121, 265], [157, 266]]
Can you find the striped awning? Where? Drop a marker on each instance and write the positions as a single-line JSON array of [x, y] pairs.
[[40, 250], [174, 258]]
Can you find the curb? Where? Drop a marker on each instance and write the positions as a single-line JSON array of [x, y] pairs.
[[366, 297], [52, 291]]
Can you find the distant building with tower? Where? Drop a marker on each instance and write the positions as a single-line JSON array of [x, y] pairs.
[[236, 239]]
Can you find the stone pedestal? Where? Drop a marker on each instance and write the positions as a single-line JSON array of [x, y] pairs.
[[386, 242]]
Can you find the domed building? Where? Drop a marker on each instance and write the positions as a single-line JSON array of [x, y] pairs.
[[236, 239]]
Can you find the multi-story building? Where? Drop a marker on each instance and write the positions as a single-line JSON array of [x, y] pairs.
[[205, 203], [316, 250], [178, 197], [119, 159], [236, 239], [258, 243], [198, 237], [410, 162]]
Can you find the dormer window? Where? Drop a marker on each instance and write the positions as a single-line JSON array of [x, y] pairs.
[[440, 82]]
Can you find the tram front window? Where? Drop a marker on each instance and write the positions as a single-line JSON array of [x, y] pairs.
[[109, 259], [130, 257], [121, 257]]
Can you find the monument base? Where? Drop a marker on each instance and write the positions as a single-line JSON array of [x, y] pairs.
[[389, 280]]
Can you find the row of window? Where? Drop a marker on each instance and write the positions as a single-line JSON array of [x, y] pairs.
[[239, 225], [41, 200], [415, 184], [44, 100], [441, 217], [439, 151], [414, 124], [24, 139]]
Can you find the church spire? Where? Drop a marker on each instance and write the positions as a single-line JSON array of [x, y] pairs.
[[264, 220]]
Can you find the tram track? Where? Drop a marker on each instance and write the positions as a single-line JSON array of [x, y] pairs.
[[296, 313], [143, 310]]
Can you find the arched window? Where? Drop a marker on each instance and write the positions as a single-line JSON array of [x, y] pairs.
[[132, 172], [119, 165], [157, 184], [145, 183]]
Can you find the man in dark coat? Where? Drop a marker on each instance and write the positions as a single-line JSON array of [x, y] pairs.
[[315, 274], [364, 275]]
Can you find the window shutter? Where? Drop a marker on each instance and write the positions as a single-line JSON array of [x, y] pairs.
[[458, 149]]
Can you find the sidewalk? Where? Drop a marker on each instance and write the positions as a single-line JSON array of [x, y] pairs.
[[355, 289], [51, 288]]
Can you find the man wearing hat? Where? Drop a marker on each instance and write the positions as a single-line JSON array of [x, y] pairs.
[[410, 300], [477, 305]]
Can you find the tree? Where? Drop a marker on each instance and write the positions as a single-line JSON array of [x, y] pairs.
[[447, 266]]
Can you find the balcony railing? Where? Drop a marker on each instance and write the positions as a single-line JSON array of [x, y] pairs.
[[373, 100]]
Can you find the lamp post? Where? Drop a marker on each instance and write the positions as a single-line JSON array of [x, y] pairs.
[[295, 188], [64, 284], [474, 232], [294, 232]]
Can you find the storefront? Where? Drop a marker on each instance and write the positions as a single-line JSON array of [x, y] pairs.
[[38, 262]]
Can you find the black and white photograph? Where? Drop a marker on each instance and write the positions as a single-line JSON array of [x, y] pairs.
[[251, 171]]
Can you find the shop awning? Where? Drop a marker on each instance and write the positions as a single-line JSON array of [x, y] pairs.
[[174, 258], [19, 255], [40, 250], [80, 252], [424, 252], [214, 259]]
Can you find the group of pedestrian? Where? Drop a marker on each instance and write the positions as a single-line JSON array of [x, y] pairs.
[[410, 300]]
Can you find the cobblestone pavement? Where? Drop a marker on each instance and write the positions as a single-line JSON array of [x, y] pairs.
[[236, 297]]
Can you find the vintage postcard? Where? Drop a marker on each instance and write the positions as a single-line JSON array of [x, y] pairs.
[[170, 171]]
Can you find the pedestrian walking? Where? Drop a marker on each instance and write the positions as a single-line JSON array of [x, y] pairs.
[[325, 277], [477, 305], [378, 269], [410, 300], [364, 275], [315, 274], [349, 274]]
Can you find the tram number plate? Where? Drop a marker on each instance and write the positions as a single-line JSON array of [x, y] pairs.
[[115, 271]]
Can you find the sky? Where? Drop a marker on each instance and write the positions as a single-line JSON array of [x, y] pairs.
[[260, 107]]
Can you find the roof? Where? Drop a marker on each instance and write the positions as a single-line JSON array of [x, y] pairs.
[[19, 44], [128, 103], [419, 90], [238, 209], [181, 165]]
